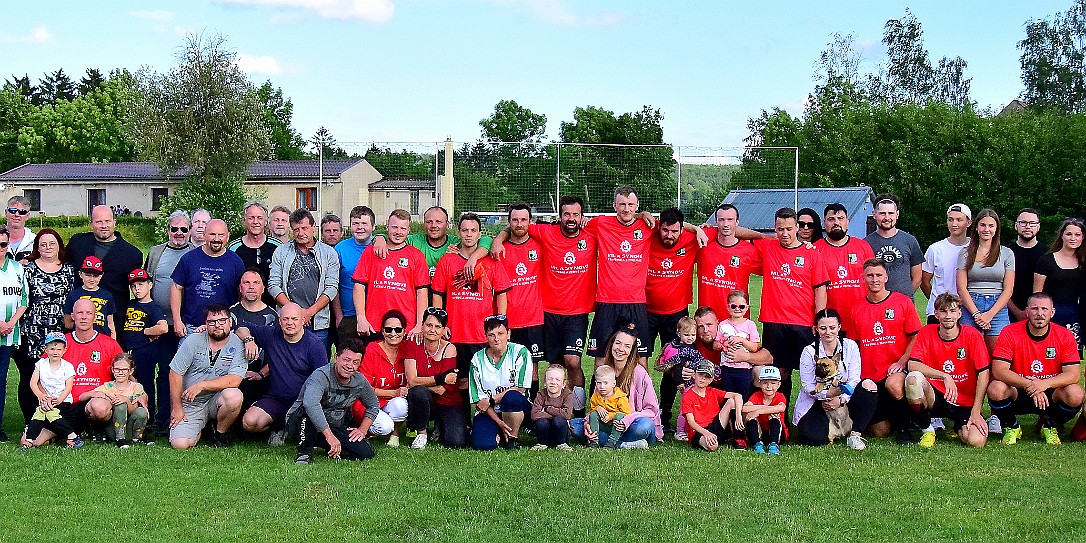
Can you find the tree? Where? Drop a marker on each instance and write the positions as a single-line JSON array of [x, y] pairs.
[[90, 82], [14, 111], [511, 122], [87, 128], [21, 85], [1053, 54], [323, 139], [55, 87], [287, 143], [202, 120]]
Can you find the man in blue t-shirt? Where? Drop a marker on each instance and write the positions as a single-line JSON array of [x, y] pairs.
[[205, 276], [349, 252]]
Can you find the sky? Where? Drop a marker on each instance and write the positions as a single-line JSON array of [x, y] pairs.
[[424, 70]]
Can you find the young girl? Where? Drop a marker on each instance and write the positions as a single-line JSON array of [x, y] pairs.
[[129, 403], [764, 413], [679, 354], [52, 383], [552, 411], [737, 333]]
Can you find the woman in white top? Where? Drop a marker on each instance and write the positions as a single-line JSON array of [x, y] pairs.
[[986, 278]]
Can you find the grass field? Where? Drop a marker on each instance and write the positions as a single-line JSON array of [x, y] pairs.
[[669, 493]]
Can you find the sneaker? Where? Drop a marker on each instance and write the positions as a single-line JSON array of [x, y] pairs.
[[420, 441], [856, 443], [927, 440], [146, 441], [394, 441], [759, 448], [25, 444], [681, 436], [1012, 435], [1051, 435], [639, 444], [512, 444], [994, 427], [741, 444], [564, 447], [302, 459], [278, 439], [123, 444], [3, 437], [773, 449], [411, 434], [220, 440], [73, 443], [937, 424], [539, 447]]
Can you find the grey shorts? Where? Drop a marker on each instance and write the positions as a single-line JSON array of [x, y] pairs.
[[197, 413]]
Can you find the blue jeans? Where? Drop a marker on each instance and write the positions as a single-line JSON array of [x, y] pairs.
[[5, 361], [640, 428], [984, 302], [484, 431]]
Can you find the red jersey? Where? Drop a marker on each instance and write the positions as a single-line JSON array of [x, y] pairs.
[[1035, 357], [789, 279], [392, 282], [963, 358], [623, 259], [468, 303], [92, 360], [845, 268], [704, 408], [385, 374], [523, 264], [724, 269], [569, 270], [429, 366], [707, 352], [882, 331], [758, 398], [669, 286]]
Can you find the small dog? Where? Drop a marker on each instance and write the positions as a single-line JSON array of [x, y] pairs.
[[827, 376]]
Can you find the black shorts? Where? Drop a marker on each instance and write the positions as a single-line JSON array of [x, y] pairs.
[[944, 409], [1023, 404], [885, 404], [77, 416], [532, 338], [608, 316], [464, 352], [663, 326], [276, 408], [723, 435], [786, 343], [563, 335]]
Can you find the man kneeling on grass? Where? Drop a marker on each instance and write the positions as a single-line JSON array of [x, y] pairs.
[[320, 415]]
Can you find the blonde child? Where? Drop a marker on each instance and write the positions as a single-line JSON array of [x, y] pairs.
[[552, 410], [129, 403], [709, 411], [52, 383], [764, 413], [737, 333], [608, 404], [681, 353]]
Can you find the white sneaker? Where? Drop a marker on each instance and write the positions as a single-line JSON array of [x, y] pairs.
[[937, 424], [538, 447], [394, 441], [681, 436], [639, 444], [994, 427], [419, 442], [856, 443], [277, 439], [564, 447]]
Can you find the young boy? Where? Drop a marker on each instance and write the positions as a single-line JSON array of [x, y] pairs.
[[552, 410], [52, 382], [144, 321], [104, 305], [764, 412], [607, 405], [708, 410]]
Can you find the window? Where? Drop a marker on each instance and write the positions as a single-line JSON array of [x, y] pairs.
[[34, 195], [158, 194], [414, 202], [307, 198], [433, 194], [388, 195], [95, 197]]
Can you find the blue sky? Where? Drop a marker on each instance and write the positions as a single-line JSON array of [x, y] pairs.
[[421, 70]]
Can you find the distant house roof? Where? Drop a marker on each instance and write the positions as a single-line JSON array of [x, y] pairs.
[[103, 171], [757, 206], [403, 183], [1013, 107], [263, 169]]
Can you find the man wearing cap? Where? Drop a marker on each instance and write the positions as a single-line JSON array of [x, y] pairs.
[[14, 297], [20, 238], [204, 277], [940, 268], [118, 257], [897, 248], [91, 353], [138, 332]]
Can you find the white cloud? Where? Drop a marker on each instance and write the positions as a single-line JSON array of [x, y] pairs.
[[39, 34], [161, 16], [374, 11], [558, 12], [263, 64]]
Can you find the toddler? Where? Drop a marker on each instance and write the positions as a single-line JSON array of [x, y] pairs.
[[680, 353], [607, 405], [52, 383], [736, 333]]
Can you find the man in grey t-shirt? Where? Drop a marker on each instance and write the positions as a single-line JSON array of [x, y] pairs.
[[897, 249], [204, 378]]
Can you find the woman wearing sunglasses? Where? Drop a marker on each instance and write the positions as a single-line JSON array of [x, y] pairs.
[[810, 226], [383, 366], [433, 389]]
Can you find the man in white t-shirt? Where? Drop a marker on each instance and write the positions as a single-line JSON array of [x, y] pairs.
[[940, 268]]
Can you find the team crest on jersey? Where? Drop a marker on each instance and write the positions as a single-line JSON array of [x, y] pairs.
[[591, 343], [580, 343], [522, 269], [535, 348], [681, 252], [719, 271], [666, 264], [852, 258], [81, 369], [532, 255], [786, 269], [389, 273], [625, 246], [1050, 352], [638, 234], [1036, 366], [569, 259], [961, 353], [799, 261], [734, 262], [842, 272], [877, 328], [96, 356], [948, 367], [889, 314], [582, 245], [403, 262]]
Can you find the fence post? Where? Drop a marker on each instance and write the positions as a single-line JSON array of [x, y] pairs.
[[679, 177], [447, 186]]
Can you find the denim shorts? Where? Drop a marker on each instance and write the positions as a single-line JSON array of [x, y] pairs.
[[984, 302]]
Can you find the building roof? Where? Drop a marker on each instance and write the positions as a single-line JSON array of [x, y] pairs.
[[757, 206], [403, 183], [261, 169]]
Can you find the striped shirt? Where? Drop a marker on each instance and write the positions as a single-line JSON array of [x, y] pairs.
[[488, 377], [13, 295]]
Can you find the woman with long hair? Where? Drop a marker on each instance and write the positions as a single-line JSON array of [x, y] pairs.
[[1059, 274], [809, 224], [986, 278]]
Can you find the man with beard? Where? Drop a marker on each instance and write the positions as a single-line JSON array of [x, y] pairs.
[[1027, 251], [203, 277], [940, 268], [117, 255], [200, 218], [523, 264], [255, 247], [204, 376], [844, 257], [897, 248]]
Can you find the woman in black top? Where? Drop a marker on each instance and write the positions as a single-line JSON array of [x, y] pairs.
[[1059, 273]]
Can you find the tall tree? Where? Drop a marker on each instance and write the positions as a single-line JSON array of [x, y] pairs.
[[14, 111], [87, 128], [21, 85], [512, 122], [324, 140], [287, 143], [1054, 61], [91, 81]]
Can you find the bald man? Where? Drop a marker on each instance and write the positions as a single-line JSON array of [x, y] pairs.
[[204, 277], [291, 354], [117, 255]]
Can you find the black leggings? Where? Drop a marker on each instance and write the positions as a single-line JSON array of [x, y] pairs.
[[773, 434], [814, 427], [420, 404], [309, 437]]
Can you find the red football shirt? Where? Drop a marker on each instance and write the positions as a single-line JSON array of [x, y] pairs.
[[1037, 357], [758, 398], [669, 286], [92, 361], [704, 408], [385, 374], [845, 268], [523, 264], [469, 303], [569, 270], [623, 259], [789, 278], [392, 282], [724, 269], [882, 331], [428, 366], [963, 358]]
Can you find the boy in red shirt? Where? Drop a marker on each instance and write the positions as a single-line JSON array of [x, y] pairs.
[[708, 411], [764, 412]]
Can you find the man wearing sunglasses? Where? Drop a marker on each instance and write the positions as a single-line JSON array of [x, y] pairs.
[[21, 240], [118, 256]]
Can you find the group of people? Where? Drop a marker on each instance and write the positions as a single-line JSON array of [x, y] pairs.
[[458, 338]]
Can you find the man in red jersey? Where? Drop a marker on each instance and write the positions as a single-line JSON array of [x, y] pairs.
[[885, 325], [726, 262], [523, 264], [1035, 369], [397, 281], [844, 257], [469, 301], [948, 375], [91, 353]]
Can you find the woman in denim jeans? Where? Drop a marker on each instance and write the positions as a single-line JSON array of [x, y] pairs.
[[986, 278]]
